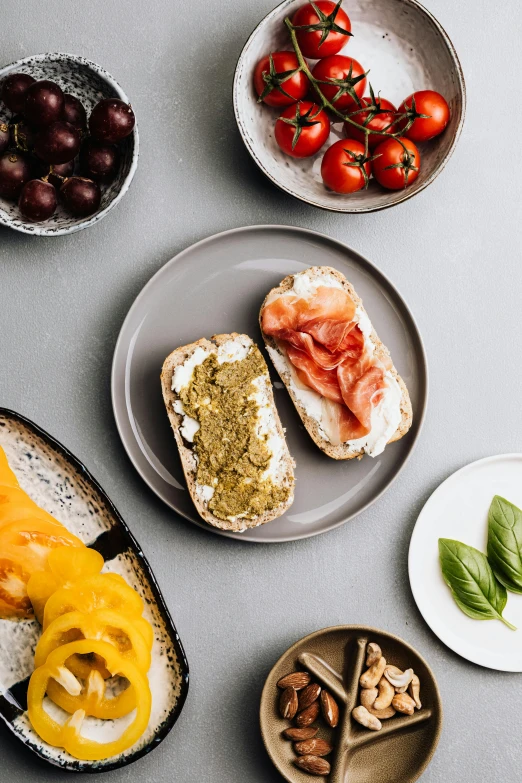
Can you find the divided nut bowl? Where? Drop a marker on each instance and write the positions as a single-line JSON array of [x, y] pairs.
[[89, 83], [404, 47], [335, 659]]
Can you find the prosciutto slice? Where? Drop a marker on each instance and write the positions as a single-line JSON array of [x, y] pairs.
[[324, 343]]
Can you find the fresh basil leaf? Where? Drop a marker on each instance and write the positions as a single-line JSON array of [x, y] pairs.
[[505, 543], [468, 574]]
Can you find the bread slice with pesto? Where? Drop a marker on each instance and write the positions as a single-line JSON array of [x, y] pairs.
[[319, 415], [221, 408]]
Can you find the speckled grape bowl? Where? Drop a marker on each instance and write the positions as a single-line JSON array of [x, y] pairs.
[[405, 48], [89, 83]]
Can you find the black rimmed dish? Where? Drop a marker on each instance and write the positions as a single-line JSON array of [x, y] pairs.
[[88, 82], [406, 49], [60, 484]]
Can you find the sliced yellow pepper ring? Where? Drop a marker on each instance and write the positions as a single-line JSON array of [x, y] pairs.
[[68, 735], [102, 591], [104, 624], [63, 569]]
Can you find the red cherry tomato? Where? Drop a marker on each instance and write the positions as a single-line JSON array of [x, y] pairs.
[[277, 79], [434, 106], [378, 122], [301, 130], [396, 167], [344, 168], [332, 34], [347, 77]]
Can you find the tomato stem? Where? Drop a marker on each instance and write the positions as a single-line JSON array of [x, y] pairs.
[[325, 103]]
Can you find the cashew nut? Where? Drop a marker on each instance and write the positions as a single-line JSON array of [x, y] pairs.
[[386, 692], [399, 679], [368, 696], [414, 691], [403, 703], [371, 677], [373, 653], [362, 716]]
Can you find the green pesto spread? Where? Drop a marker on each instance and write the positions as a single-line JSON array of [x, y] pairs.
[[231, 455]]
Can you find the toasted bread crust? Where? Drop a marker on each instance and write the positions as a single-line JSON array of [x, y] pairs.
[[312, 427], [188, 462]]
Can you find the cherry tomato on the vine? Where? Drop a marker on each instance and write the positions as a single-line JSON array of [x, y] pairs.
[[431, 104], [345, 167], [396, 166], [302, 129], [347, 80], [330, 28], [278, 80], [383, 120]]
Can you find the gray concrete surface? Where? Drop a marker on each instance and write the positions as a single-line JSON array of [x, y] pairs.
[[453, 252]]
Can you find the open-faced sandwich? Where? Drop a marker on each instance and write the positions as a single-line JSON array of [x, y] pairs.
[[221, 407], [338, 373]]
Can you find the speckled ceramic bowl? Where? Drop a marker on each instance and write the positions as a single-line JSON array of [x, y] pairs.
[[90, 83], [404, 47], [62, 486]]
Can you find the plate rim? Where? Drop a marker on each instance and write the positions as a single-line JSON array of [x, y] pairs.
[[172, 718], [465, 468], [353, 628], [364, 262], [405, 195]]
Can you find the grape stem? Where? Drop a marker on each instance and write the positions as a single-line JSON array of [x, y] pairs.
[[325, 103]]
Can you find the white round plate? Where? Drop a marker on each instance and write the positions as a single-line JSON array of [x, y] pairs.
[[458, 509], [217, 286]]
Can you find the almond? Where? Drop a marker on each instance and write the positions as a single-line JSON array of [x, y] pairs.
[[300, 734], [330, 709], [313, 747], [308, 695], [296, 680], [288, 703], [307, 716], [313, 765]]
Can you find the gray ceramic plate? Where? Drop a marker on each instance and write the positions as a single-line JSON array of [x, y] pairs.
[[398, 753], [218, 285], [61, 485]]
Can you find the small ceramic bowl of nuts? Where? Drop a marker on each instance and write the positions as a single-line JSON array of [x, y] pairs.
[[351, 704]]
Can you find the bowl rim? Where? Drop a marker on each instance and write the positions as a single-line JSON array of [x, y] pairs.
[[360, 629], [36, 229], [402, 195]]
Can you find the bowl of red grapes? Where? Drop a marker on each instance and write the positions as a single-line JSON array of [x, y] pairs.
[[68, 144], [350, 105]]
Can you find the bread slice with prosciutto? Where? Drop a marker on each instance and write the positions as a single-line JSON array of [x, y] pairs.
[[337, 371]]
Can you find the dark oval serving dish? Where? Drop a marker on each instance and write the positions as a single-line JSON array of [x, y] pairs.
[[60, 484]]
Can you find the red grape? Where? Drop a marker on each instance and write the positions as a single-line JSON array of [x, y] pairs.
[[57, 143], [14, 89], [111, 120], [15, 171], [80, 196], [99, 161], [37, 200], [43, 103], [74, 112]]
